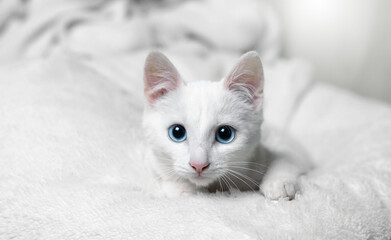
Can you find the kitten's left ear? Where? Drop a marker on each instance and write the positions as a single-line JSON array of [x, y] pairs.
[[246, 78]]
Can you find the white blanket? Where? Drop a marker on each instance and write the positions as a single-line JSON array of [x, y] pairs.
[[67, 166]]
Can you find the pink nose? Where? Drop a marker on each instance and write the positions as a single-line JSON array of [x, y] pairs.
[[199, 166]]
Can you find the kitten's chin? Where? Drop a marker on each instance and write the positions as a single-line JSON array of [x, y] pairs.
[[201, 181]]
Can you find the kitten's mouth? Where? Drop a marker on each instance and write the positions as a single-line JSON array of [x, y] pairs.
[[201, 180]]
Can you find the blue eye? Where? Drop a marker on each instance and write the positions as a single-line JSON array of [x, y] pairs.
[[177, 133], [225, 134]]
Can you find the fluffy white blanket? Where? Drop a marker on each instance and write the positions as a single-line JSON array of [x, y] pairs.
[[68, 145]]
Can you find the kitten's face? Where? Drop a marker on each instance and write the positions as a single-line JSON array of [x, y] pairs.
[[201, 131]]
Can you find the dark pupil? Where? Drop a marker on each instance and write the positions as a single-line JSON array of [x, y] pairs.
[[225, 133], [178, 132]]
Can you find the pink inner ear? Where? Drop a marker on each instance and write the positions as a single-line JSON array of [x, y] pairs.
[[160, 77], [153, 96], [247, 78], [248, 86]]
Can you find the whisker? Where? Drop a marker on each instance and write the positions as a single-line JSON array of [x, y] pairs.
[[250, 169], [221, 186], [223, 177], [253, 181], [232, 173], [248, 163], [232, 182]]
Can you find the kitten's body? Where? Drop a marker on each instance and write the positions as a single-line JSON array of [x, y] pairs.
[[202, 108]]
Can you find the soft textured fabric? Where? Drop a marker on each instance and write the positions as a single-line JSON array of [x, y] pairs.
[[67, 170], [70, 125], [101, 27]]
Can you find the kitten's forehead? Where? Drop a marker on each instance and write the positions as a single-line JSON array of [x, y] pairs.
[[201, 99], [201, 104], [202, 107], [207, 105]]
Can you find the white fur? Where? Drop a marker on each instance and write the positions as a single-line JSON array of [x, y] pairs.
[[203, 106]]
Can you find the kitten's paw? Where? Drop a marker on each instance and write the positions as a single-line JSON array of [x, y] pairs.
[[277, 189], [176, 189]]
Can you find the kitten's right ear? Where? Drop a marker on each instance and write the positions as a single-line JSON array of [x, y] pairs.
[[160, 76]]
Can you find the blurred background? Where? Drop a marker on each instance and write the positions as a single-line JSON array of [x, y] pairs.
[[346, 41]]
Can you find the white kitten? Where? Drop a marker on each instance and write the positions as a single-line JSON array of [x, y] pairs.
[[206, 135]]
